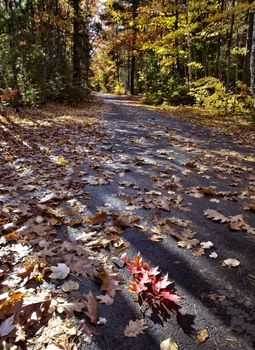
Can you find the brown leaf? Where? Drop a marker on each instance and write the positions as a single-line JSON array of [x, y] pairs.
[[109, 281], [99, 218], [69, 308], [208, 191], [8, 304], [135, 328], [250, 207], [216, 297], [198, 251], [188, 243], [105, 299], [215, 215], [91, 306], [155, 238]]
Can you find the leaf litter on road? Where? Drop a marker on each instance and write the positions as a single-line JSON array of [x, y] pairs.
[[42, 195]]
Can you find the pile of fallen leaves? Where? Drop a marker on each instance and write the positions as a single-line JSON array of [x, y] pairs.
[[148, 283]]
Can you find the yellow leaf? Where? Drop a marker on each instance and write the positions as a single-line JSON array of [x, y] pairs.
[[169, 344], [202, 335]]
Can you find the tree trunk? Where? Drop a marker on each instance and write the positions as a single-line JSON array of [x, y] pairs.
[[133, 46], [189, 45], [176, 27], [229, 46], [13, 53], [77, 73], [218, 69], [246, 77], [252, 68]]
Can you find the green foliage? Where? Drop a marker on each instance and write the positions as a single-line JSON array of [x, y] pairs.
[[38, 57], [210, 93], [179, 52], [119, 88]]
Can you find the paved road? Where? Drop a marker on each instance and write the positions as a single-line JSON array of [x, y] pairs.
[[145, 149]]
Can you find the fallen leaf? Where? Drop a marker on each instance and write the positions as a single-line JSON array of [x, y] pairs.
[[216, 297], [208, 191], [188, 243], [202, 335], [60, 271], [206, 245], [48, 198], [169, 344], [101, 320], [215, 215], [99, 218], [105, 299], [231, 263], [109, 281], [198, 251], [91, 306], [155, 238], [250, 207], [7, 326], [135, 328], [68, 286]]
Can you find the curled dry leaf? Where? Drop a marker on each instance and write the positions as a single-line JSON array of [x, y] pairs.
[[169, 344], [216, 297], [202, 335], [213, 255], [135, 328], [49, 197], [91, 306], [60, 271], [68, 286], [231, 263], [101, 320]]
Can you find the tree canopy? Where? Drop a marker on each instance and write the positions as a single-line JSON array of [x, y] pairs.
[[179, 51], [173, 52]]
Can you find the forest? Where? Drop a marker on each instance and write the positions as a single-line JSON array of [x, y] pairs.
[[127, 174], [170, 52]]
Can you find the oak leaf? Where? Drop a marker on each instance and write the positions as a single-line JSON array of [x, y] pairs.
[[215, 215], [105, 299], [69, 286], [135, 328]]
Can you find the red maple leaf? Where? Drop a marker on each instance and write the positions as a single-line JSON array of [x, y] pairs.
[[148, 283]]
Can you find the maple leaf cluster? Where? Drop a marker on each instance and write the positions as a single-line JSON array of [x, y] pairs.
[[148, 282]]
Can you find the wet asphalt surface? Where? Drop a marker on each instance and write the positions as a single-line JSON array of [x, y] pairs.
[[166, 144]]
